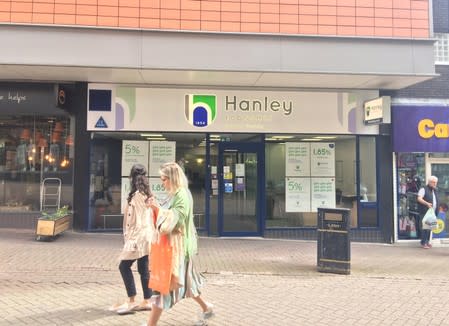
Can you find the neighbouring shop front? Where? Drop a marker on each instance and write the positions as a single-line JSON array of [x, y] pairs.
[[421, 146], [36, 148], [259, 163]]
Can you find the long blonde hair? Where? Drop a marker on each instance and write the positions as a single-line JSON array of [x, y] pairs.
[[175, 175]]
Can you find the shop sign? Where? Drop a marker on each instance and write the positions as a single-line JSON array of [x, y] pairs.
[[18, 98], [212, 110], [420, 128], [377, 111]]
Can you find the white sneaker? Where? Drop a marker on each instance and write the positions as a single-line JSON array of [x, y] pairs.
[[209, 313]]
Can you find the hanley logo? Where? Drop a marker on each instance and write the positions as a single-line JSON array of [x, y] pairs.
[[201, 110]]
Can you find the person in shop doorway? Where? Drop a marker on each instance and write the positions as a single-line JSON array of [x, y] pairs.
[[137, 231], [175, 219], [427, 198]]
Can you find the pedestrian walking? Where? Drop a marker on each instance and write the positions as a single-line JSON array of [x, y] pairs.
[[427, 198], [175, 219], [137, 233]]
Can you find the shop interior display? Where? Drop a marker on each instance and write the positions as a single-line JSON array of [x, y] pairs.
[[31, 148]]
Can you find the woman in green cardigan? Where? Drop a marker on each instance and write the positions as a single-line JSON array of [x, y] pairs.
[[175, 219]]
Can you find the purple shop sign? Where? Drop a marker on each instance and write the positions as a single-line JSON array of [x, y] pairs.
[[420, 128]]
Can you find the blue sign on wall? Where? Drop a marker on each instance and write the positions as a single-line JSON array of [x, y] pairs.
[[420, 128]]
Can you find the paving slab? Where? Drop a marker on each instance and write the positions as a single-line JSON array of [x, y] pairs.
[[74, 279]]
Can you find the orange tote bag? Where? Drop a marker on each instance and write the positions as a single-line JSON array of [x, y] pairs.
[[161, 265]]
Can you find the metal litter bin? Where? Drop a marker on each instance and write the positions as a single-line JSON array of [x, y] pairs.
[[334, 248]]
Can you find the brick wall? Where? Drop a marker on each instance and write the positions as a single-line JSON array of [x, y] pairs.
[[438, 87], [380, 18]]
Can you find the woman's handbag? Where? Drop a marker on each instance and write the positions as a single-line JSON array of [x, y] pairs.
[[161, 265], [429, 221]]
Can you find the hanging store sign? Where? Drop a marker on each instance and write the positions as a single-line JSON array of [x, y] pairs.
[[377, 111]]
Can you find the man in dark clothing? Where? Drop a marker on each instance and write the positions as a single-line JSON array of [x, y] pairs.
[[427, 198]]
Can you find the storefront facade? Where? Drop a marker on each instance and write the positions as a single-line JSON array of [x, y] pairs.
[[36, 148], [279, 85], [420, 143], [258, 165]]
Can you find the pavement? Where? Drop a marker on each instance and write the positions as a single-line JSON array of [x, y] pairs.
[[74, 279]]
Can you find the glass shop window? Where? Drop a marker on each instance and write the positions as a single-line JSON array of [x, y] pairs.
[[282, 190], [368, 182], [109, 183], [411, 177], [33, 149]]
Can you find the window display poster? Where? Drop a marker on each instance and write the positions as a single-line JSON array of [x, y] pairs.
[[240, 170], [323, 193], [322, 159], [228, 176], [157, 189], [228, 187], [239, 184], [161, 152], [297, 194], [297, 159], [213, 171], [133, 152]]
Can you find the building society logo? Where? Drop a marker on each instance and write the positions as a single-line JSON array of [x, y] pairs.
[[200, 110]]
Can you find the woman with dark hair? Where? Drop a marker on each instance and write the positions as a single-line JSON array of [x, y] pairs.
[[137, 230]]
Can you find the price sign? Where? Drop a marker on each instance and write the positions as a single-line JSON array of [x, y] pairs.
[[297, 159], [323, 193], [133, 152], [297, 194], [323, 159], [161, 152], [158, 189]]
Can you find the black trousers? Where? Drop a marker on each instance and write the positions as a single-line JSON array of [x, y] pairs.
[[128, 278]]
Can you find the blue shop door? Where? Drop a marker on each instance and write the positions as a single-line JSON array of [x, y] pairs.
[[240, 180]]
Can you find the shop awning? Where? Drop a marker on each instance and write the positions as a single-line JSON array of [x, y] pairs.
[[62, 54]]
